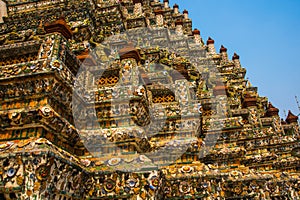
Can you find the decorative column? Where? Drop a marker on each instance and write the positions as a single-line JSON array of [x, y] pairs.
[[159, 17], [138, 9]]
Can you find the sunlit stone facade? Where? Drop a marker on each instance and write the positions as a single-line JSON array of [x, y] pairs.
[[242, 150]]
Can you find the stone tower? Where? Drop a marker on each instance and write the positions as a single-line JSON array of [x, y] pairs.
[[153, 67]]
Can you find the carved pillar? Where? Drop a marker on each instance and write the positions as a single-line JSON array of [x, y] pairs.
[[159, 17], [138, 9]]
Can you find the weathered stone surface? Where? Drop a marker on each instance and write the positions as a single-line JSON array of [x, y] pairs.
[[243, 150]]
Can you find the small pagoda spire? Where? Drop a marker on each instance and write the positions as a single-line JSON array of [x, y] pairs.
[[249, 85], [179, 27], [223, 52], [291, 118], [223, 49], [166, 4], [210, 41], [196, 32], [197, 37], [235, 57], [272, 111], [186, 14], [211, 45], [236, 60], [176, 8]]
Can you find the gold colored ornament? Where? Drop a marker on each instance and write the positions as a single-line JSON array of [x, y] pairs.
[[20, 180], [91, 192], [23, 143], [29, 193], [36, 186], [42, 172], [172, 170], [19, 160], [136, 190], [109, 185], [117, 190], [143, 195]]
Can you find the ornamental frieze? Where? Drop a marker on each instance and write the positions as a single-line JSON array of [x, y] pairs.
[[242, 149]]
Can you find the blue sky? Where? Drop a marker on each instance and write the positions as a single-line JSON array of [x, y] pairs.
[[266, 35]]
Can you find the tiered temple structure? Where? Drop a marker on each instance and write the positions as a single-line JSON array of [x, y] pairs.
[[241, 149]]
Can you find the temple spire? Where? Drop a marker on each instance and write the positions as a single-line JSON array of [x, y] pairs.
[[211, 45], [223, 52]]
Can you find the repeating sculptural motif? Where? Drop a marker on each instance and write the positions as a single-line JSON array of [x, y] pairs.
[[43, 156]]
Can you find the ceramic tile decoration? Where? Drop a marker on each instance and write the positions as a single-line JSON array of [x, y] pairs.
[[146, 99]]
